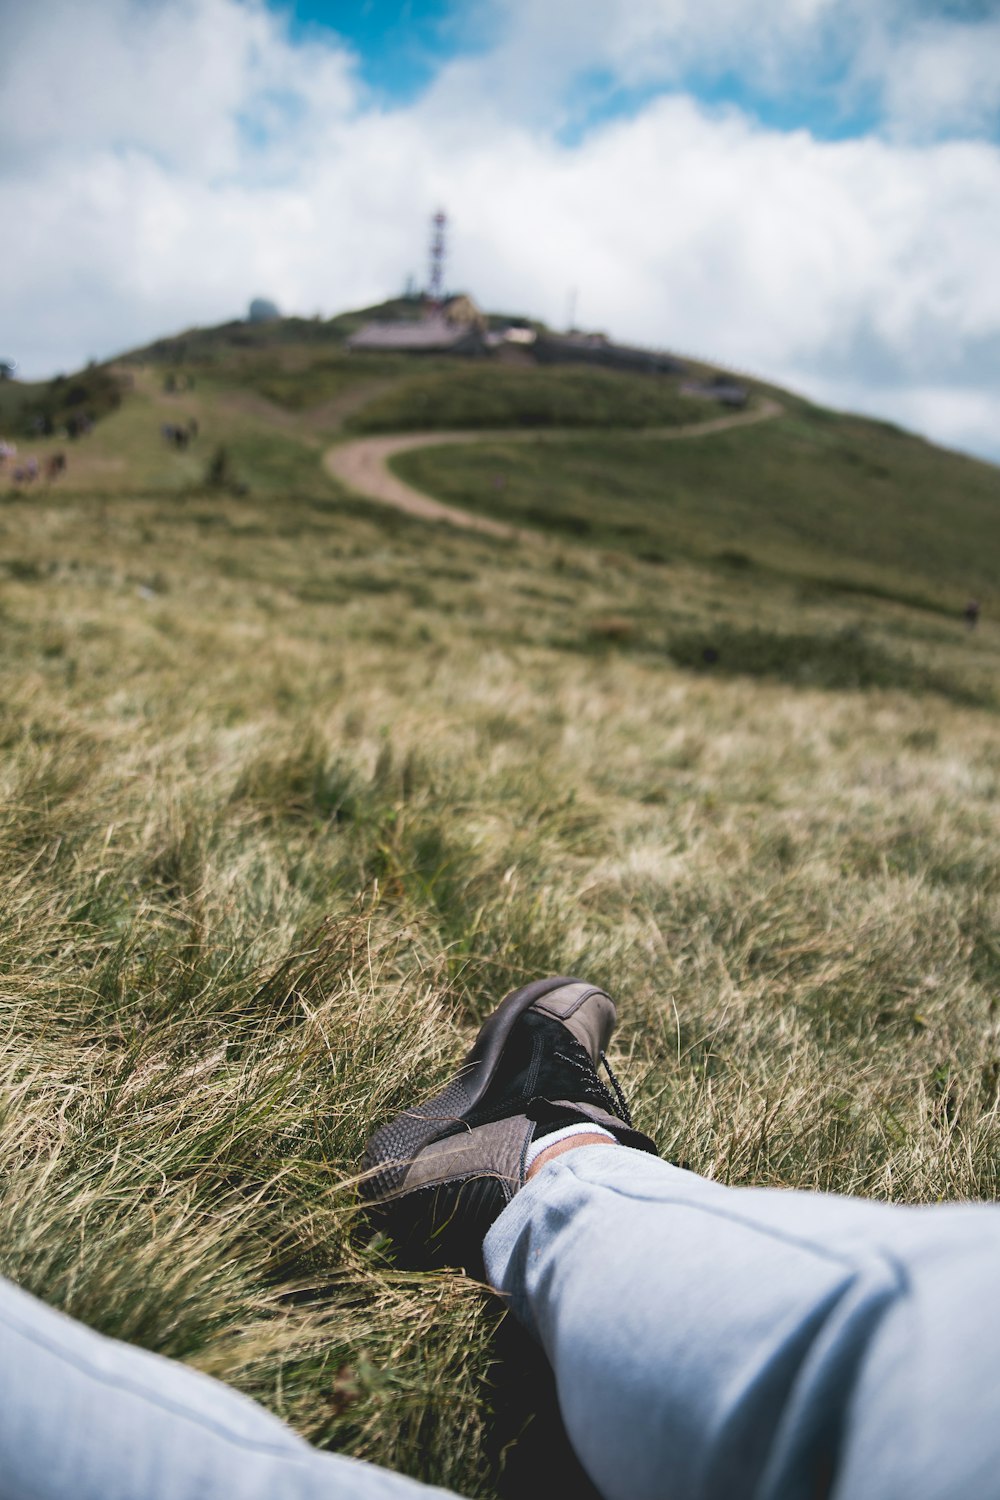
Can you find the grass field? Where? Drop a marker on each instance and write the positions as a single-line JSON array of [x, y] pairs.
[[815, 496], [294, 789], [568, 396]]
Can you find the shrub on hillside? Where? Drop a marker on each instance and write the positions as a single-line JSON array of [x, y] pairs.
[[65, 402], [845, 659]]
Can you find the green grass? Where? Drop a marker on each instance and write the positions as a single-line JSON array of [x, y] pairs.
[[326, 379], [301, 379], [293, 789], [126, 453], [469, 395], [838, 502]]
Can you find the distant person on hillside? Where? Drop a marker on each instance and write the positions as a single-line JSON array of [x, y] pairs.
[[175, 436], [971, 613], [709, 1343], [26, 472]]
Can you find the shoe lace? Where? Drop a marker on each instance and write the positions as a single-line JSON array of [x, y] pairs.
[[593, 1086], [626, 1113]]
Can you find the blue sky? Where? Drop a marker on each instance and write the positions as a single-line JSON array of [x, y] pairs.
[[808, 190], [402, 45]]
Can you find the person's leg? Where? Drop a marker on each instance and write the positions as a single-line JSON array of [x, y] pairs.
[[716, 1342], [708, 1343], [86, 1417]]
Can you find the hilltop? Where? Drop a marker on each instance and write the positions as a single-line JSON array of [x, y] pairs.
[[835, 501], [809, 516], [296, 786]]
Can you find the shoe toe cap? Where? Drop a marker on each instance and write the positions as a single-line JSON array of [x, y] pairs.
[[587, 1012]]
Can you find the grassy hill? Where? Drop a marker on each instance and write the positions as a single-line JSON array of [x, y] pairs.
[[295, 788], [834, 501]]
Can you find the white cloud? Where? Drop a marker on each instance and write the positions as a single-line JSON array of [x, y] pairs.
[[919, 67], [174, 80], [862, 270], [940, 77]]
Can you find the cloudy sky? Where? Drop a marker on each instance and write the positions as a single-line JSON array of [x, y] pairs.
[[805, 189]]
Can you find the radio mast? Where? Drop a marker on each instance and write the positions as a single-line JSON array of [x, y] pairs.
[[435, 287]]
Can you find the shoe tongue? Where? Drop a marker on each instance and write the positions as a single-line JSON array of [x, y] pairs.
[[587, 1013]]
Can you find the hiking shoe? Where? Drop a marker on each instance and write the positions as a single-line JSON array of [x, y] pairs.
[[438, 1174]]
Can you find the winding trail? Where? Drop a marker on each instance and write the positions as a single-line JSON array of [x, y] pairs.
[[362, 464]]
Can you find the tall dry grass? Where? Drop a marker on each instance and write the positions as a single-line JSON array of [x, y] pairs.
[[292, 794]]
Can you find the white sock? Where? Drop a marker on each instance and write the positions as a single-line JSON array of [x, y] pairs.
[[545, 1141]]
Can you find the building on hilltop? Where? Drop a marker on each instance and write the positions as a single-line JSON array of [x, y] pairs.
[[725, 389], [597, 349], [456, 327], [263, 310]]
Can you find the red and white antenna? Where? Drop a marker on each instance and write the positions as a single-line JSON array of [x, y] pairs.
[[439, 226]]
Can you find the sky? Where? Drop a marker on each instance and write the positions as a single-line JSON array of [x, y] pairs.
[[806, 190]]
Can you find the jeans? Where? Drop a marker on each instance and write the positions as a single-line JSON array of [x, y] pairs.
[[709, 1343]]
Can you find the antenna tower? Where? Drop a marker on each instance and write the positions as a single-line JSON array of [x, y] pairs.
[[439, 225]]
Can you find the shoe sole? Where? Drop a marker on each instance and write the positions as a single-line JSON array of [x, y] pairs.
[[392, 1148]]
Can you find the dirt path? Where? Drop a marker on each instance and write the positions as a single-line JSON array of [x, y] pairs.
[[362, 465]]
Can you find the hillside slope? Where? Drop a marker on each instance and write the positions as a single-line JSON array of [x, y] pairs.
[[835, 500], [295, 787]]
